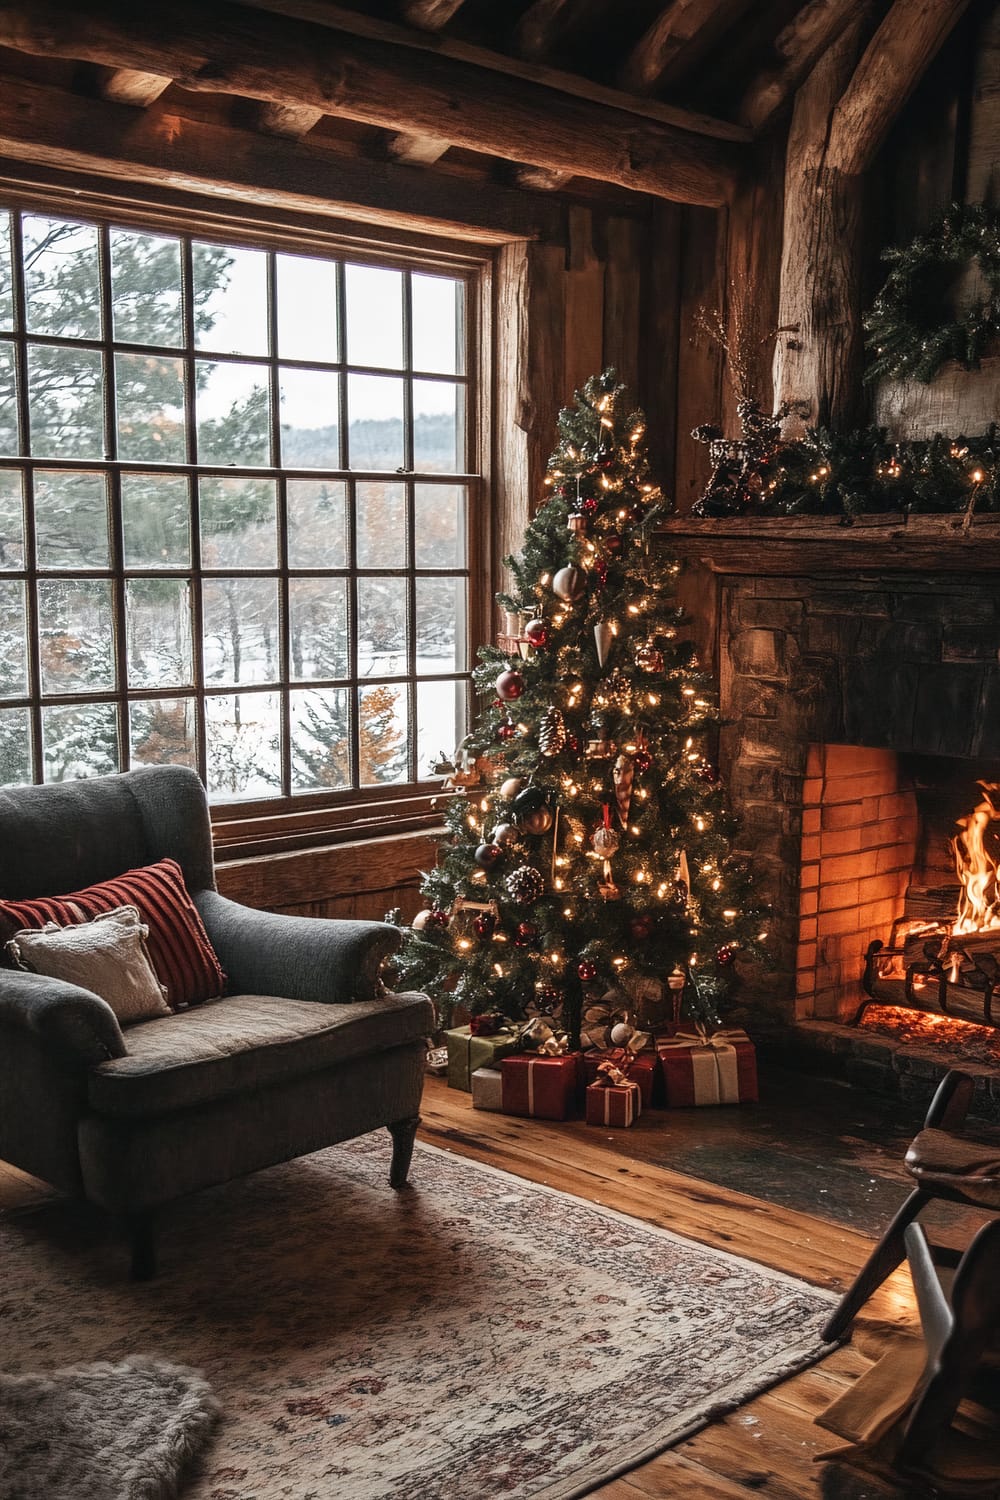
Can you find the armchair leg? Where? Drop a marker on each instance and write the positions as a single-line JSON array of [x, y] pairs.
[[403, 1134], [887, 1255], [143, 1242]]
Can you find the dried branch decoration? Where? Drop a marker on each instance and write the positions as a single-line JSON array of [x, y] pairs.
[[740, 335]]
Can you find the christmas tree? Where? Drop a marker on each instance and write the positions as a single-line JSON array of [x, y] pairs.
[[595, 853]]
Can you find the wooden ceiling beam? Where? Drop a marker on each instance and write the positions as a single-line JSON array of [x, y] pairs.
[[545, 23], [293, 121], [430, 15], [683, 30], [56, 129], [797, 49], [891, 67], [230, 49], [129, 86]]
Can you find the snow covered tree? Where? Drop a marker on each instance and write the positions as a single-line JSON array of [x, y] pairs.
[[597, 854]]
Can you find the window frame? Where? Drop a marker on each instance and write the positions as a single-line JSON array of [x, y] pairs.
[[304, 818]]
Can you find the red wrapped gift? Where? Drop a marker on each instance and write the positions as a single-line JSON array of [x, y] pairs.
[[699, 1068], [642, 1068], [613, 1103], [542, 1087]]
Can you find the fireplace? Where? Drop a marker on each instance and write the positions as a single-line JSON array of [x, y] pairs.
[[860, 694]]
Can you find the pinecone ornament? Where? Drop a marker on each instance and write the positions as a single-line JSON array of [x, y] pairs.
[[525, 884], [552, 732]]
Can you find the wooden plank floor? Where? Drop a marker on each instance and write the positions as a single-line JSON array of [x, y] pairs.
[[767, 1446]]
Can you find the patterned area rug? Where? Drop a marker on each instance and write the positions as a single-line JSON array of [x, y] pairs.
[[477, 1336]]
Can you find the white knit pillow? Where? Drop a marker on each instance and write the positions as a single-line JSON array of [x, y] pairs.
[[107, 956]]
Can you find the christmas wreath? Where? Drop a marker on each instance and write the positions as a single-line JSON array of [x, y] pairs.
[[911, 330]]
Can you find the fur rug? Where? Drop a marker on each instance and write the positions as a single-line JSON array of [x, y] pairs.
[[475, 1336], [102, 1432]]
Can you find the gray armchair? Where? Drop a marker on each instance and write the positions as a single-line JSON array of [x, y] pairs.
[[305, 1049]]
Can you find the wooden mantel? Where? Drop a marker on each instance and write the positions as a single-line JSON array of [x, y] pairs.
[[795, 546]]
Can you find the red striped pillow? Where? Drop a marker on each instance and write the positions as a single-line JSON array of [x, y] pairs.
[[179, 947]]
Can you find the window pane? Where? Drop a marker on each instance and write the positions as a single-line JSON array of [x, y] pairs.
[[382, 734], [440, 623], [150, 399], [230, 299], [381, 627], [65, 402], [238, 523], [162, 732], [440, 722], [374, 316], [61, 277], [310, 423], [6, 283], [439, 525], [158, 625], [156, 520], [79, 740], [438, 324], [71, 520], [9, 441], [234, 413], [375, 433], [317, 627], [146, 288], [11, 520], [307, 308], [317, 523], [240, 623], [75, 627], [438, 426], [380, 510], [13, 638], [15, 747], [321, 740], [242, 732]]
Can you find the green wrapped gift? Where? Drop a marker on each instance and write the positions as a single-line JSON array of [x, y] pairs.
[[466, 1053]]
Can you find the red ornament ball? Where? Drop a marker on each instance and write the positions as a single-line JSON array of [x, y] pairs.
[[484, 924], [507, 730], [537, 633], [707, 772], [548, 999], [642, 926], [488, 856], [587, 970], [437, 917], [642, 760], [525, 935], [612, 543], [590, 505], [509, 685], [725, 956], [572, 745]]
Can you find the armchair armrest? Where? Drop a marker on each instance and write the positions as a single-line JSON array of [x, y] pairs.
[[302, 958], [73, 1020]]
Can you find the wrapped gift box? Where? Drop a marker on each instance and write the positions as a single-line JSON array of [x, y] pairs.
[[487, 1089], [643, 1068], [698, 1068], [613, 1104], [542, 1087], [466, 1053]]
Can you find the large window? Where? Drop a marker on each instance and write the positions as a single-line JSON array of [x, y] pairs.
[[235, 492]]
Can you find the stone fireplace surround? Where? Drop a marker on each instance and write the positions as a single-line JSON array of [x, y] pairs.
[[841, 653]]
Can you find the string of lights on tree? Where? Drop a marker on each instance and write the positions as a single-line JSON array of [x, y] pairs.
[[850, 474], [594, 853]]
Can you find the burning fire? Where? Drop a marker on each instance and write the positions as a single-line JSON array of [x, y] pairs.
[[979, 901]]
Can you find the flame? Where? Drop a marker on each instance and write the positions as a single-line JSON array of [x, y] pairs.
[[979, 902]]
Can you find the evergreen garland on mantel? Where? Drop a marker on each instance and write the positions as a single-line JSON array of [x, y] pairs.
[[912, 329]]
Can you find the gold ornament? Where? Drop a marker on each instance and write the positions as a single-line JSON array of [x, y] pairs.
[[570, 584], [623, 774], [604, 637], [552, 732], [510, 788]]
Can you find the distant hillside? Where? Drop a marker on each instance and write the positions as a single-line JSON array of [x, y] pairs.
[[373, 444]]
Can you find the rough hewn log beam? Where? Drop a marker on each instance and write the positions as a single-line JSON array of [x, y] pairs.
[[128, 86], [678, 28], [417, 150], [547, 22], [890, 69], [234, 50], [54, 128], [290, 120], [430, 15], [797, 48]]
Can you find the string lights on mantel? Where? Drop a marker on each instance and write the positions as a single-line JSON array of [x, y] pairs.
[[595, 848]]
